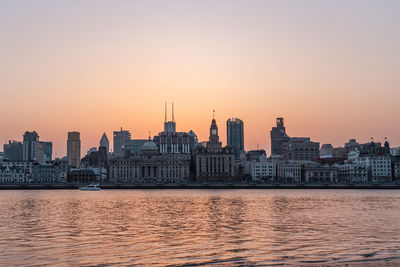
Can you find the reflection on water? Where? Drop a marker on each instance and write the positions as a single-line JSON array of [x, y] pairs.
[[199, 227]]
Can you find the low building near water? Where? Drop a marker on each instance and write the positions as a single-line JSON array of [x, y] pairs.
[[12, 175]]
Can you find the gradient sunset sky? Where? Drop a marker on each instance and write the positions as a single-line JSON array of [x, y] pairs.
[[330, 68]]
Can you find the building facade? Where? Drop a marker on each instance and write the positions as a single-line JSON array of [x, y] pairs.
[[352, 173], [301, 148], [321, 174], [379, 167], [288, 172], [235, 135], [13, 151], [263, 171], [104, 142], [74, 149], [214, 163], [120, 138], [12, 175], [29, 141], [150, 167], [278, 138], [170, 141]]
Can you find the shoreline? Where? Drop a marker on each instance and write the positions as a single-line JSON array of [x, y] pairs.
[[199, 186]]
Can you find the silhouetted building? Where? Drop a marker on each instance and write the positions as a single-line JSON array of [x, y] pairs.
[[30, 138], [278, 137], [326, 151], [13, 151], [74, 149], [301, 148], [121, 138], [214, 163], [171, 142], [235, 135], [105, 143], [134, 147]]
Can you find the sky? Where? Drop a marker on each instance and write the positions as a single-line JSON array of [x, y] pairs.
[[330, 68]]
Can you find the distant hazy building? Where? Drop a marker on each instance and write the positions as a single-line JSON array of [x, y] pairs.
[[170, 141], [301, 148], [121, 138], [13, 151], [30, 138], [105, 143], [74, 149], [278, 138], [352, 145], [235, 135], [395, 151], [213, 162]]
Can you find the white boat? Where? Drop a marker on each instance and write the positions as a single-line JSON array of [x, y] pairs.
[[91, 187]]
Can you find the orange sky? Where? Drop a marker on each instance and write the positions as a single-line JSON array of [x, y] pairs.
[[330, 69]]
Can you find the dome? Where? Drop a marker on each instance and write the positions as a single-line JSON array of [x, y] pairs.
[[149, 146]]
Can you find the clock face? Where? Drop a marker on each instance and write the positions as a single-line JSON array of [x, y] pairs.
[[214, 132]]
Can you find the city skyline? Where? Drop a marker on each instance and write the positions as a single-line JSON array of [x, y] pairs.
[[330, 69]]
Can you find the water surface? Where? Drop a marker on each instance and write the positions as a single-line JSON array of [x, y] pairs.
[[199, 227]]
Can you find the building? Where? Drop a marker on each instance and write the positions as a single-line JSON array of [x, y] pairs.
[[235, 135], [150, 167], [170, 141], [63, 166], [326, 151], [13, 151], [288, 172], [379, 167], [105, 143], [301, 148], [395, 151], [352, 173], [121, 138], [30, 138], [339, 153], [134, 147], [82, 176], [214, 163], [46, 173], [321, 174], [263, 171], [352, 145], [12, 175], [396, 168], [278, 137], [74, 149]]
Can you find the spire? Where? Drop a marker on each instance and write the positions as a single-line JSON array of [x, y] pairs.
[[213, 114], [173, 119], [165, 112], [149, 136]]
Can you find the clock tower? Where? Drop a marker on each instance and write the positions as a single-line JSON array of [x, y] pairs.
[[213, 140]]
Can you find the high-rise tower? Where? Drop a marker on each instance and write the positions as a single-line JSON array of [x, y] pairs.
[[278, 137], [235, 135], [74, 149]]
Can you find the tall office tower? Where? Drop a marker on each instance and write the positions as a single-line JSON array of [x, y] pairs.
[[30, 138], [121, 138], [13, 151], [74, 149], [235, 135], [105, 143], [278, 137]]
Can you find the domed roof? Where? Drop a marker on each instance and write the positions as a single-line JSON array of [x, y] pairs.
[[149, 146]]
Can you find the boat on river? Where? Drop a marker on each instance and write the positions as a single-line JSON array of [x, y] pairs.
[[91, 187]]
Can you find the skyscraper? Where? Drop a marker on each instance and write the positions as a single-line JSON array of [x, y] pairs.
[[30, 138], [74, 149], [278, 137], [121, 138], [105, 143], [235, 135]]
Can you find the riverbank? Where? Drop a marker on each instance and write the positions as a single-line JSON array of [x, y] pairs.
[[201, 186]]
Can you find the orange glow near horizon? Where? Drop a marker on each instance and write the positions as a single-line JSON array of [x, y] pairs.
[[66, 68]]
